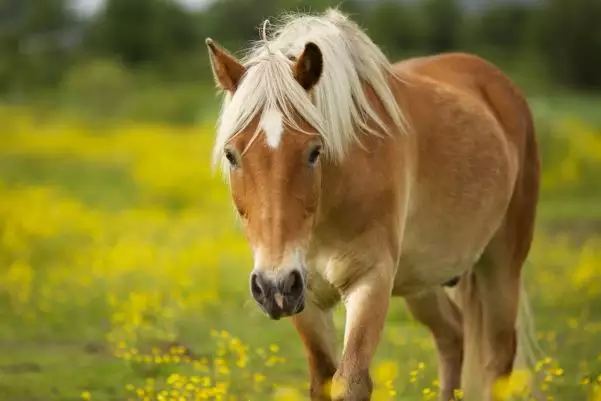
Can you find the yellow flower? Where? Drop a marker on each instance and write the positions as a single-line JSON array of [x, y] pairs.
[[335, 388], [516, 384], [386, 371], [596, 393]]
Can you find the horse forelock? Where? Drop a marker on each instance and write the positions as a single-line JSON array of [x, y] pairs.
[[337, 107]]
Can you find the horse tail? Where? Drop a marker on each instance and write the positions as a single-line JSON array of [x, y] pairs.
[[529, 351]]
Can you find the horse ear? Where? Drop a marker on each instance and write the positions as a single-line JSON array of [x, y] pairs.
[[309, 66], [227, 70]]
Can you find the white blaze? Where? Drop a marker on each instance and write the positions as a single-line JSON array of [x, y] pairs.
[[273, 125]]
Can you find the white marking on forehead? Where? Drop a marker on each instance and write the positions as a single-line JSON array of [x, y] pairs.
[[272, 123]]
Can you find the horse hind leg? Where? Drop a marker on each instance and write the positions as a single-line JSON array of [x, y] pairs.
[[489, 297], [491, 326], [489, 294], [436, 311]]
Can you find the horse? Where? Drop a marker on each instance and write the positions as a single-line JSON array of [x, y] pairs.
[[357, 180]]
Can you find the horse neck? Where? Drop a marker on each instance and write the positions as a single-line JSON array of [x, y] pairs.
[[371, 177]]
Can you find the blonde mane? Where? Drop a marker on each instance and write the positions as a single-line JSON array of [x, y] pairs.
[[337, 107]]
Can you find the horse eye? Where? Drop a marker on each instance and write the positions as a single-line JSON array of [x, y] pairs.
[[314, 155], [229, 155]]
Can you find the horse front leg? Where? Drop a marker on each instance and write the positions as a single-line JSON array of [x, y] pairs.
[[435, 309], [367, 301], [315, 327]]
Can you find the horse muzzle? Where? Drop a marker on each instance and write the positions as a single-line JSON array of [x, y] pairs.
[[279, 295]]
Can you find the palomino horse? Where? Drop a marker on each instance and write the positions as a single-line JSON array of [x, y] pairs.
[[357, 180]]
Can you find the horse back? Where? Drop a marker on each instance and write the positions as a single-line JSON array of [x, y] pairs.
[[484, 81]]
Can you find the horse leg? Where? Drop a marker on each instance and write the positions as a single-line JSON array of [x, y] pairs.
[[436, 311], [489, 299], [315, 327], [367, 303], [498, 273], [490, 294], [499, 289]]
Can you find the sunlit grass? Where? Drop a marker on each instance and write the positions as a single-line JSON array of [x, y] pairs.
[[123, 275]]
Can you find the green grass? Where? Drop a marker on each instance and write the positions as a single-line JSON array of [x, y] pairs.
[[59, 355], [95, 184], [61, 371], [558, 104]]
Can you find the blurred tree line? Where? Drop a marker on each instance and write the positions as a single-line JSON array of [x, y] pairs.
[[44, 45]]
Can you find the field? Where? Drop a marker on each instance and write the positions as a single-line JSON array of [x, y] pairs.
[[123, 272]]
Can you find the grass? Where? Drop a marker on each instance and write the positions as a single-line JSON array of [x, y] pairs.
[[124, 275]]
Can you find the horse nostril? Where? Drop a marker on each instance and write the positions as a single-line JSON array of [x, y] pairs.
[[294, 284], [256, 288]]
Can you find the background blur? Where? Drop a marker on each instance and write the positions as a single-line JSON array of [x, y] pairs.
[[123, 274]]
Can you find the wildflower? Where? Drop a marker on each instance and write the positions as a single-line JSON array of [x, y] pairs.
[[386, 371], [516, 384], [335, 388]]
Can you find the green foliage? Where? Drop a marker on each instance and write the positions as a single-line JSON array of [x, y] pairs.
[[410, 33], [147, 58], [98, 89], [33, 41], [507, 27], [445, 19], [144, 31], [106, 91], [234, 22], [570, 41]]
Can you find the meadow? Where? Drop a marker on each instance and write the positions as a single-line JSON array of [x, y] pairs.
[[123, 271]]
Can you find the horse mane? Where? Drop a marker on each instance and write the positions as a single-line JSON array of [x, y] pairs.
[[337, 107]]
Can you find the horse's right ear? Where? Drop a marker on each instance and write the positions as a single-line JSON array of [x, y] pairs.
[[309, 66], [227, 70]]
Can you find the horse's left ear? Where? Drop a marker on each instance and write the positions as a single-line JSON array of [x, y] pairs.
[[309, 66], [227, 70]]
